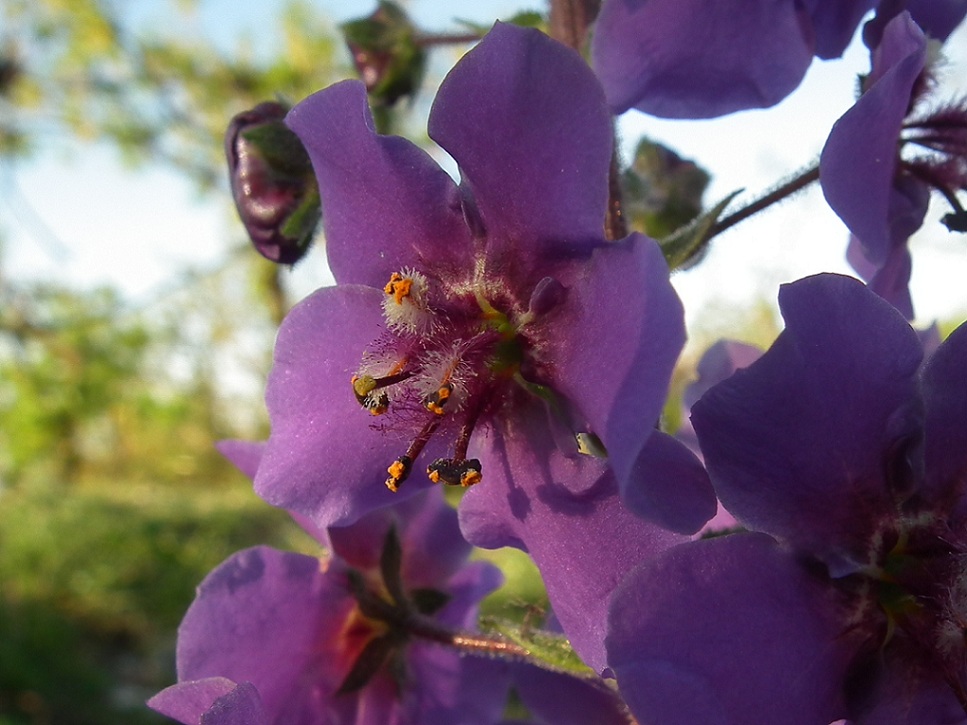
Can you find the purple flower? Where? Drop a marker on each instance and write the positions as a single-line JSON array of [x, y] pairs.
[[486, 332], [698, 59], [850, 455], [881, 196], [331, 640]]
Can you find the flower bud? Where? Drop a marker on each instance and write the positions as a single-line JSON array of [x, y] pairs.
[[386, 53], [272, 182]]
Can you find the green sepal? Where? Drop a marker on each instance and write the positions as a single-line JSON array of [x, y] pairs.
[[376, 652], [428, 601], [687, 245], [302, 222], [390, 566], [280, 147]]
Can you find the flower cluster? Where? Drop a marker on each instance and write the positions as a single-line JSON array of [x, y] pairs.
[[795, 553]]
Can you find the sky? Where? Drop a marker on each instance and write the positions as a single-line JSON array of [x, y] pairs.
[[89, 221]]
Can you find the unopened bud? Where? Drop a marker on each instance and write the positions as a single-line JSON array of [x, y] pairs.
[[387, 55], [662, 191], [272, 182]]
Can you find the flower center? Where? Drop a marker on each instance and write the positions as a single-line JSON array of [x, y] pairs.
[[445, 364]]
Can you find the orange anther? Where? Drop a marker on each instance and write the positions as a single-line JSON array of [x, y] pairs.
[[399, 287]]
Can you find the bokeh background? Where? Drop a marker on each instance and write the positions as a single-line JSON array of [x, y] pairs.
[[136, 324]]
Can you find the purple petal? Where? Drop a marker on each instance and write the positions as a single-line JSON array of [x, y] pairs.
[[466, 589], [728, 630], [937, 18], [859, 161], [269, 618], [670, 486], [907, 695], [834, 24], [447, 687], [944, 390], [890, 279], [718, 363], [526, 121], [619, 335], [699, 59], [583, 544], [241, 706], [186, 702], [433, 547], [244, 455], [386, 204], [559, 699], [797, 444], [323, 457]]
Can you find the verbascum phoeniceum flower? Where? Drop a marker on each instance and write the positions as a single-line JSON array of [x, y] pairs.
[[485, 334], [279, 638], [896, 145], [844, 454]]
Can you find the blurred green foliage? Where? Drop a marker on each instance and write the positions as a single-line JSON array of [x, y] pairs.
[[95, 583]]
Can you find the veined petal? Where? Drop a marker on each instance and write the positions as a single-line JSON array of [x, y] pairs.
[[526, 121], [797, 444], [728, 631], [698, 59], [583, 543], [386, 204], [323, 457], [619, 335], [859, 161]]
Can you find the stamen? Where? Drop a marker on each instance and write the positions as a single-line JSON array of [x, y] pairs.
[[455, 472], [364, 387], [399, 470], [436, 400], [405, 305], [459, 470], [399, 287]]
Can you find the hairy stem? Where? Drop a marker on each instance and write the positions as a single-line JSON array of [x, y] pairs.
[[783, 191]]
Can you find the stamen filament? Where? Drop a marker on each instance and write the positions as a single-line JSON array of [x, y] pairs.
[[399, 470]]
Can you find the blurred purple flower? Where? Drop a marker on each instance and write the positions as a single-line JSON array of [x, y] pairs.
[[487, 331], [848, 451], [699, 59], [325, 641], [880, 195]]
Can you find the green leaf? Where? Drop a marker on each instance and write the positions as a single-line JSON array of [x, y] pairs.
[[552, 650], [369, 662], [686, 246]]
